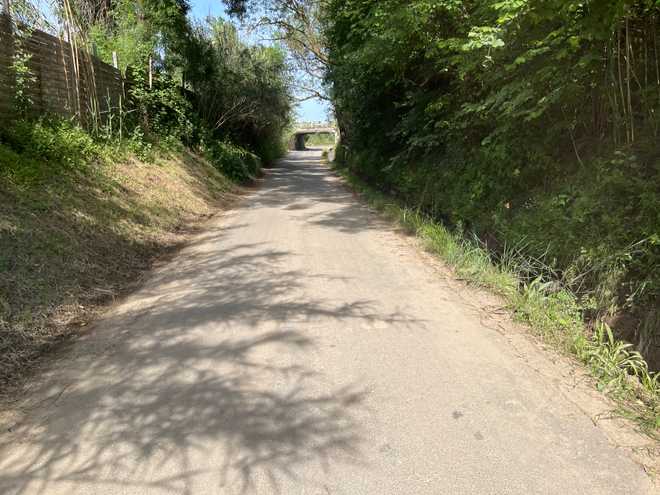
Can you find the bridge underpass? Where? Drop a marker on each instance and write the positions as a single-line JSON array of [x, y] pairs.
[[303, 130]]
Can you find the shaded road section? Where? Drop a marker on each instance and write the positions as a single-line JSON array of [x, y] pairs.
[[301, 346]]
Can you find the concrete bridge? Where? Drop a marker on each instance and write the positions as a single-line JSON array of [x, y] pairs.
[[303, 129]]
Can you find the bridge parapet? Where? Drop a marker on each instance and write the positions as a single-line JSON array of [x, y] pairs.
[[314, 125]]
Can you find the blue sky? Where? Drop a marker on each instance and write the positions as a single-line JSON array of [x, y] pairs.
[[310, 110]]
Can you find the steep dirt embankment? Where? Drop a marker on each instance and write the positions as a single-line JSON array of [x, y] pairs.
[[74, 242]]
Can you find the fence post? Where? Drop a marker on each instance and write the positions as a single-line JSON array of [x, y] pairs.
[[115, 62], [151, 75]]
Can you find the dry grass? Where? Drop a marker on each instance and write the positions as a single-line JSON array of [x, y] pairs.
[[73, 243]]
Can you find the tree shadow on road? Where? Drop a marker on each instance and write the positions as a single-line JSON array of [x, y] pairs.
[[195, 372], [304, 184]]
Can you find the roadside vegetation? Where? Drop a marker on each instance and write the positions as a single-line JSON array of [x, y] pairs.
[[519, 140], [531, 125], [552, 313], [72, 242], [86, 206]]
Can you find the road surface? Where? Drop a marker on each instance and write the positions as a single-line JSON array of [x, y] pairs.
[[301, 346]]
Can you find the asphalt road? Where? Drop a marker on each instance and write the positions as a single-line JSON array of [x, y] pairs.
[[301, 346]]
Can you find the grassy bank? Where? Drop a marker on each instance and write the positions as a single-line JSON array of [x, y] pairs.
[[551, 311], [80, 220]]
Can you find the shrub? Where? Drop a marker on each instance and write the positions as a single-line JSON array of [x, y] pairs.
[[162, 111], [31, 150], [238, 164], [269, 149]]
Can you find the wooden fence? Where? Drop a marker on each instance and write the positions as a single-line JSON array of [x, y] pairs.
[[63, 80]]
